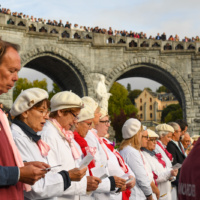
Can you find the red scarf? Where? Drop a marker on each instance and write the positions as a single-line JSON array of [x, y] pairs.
[[159, 157], [155, 177], [127, 193], [85, 149], [169, 155]]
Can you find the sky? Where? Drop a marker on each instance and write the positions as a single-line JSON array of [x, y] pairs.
[[180, 17]]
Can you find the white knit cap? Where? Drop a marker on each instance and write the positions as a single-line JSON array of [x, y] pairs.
[[85, 114], [152, 133], [103, 113], [66, 99], [27, 99], [164, 127], [130, 128], [88, 101]]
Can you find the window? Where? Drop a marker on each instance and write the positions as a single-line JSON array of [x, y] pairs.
[[151, 115], [150, 99], [150, 107], [140, 100], [140, 116], [140, 107]]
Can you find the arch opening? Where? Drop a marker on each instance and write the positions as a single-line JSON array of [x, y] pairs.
[[63, 72]]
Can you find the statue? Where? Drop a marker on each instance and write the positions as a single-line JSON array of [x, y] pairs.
[[102, 94]]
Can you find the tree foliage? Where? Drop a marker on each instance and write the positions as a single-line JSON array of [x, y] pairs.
[[149, 89], [134, 94], [129, 87], [24, 83], [163, 89], [171, 113], [55, 90]]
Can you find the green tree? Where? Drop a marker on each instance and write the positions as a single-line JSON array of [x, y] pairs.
[[129, 87], [169, 110], [163, 89], [134, 94], [149, 89], [55, 90], [174, 115], [24, 83], [120, 101]]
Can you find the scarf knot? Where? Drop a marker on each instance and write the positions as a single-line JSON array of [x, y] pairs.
[[169, 155]]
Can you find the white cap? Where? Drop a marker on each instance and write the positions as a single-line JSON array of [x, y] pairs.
[[152, 133], [66, 99], [90, 102], [130, 128], [165, 127], [103, 113], [85, 114], [27, 99]]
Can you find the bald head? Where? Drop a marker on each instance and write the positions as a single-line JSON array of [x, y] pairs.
[[186, 140]]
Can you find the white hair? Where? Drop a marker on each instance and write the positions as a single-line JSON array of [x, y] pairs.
[[162, 133], [183, 136], [174, 125]]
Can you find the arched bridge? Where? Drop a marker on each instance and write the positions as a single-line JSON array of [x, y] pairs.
[[72, 59]]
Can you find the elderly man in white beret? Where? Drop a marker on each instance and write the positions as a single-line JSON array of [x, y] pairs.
[[31, 112], [162, 174], [108, 184], [65, 151]]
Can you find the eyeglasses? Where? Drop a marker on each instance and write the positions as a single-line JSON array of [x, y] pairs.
[[147, 137], [106, 122], [76, 117], [43, 112], [89, 124], [153, 140]]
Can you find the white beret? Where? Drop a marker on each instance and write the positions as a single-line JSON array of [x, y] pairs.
[[103, 113], [85, 114], [152, 133], [88, 101], [27, 99], [164, 127], [195, 137], [65, 99], [130, 128]]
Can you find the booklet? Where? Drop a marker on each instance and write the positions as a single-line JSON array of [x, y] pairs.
[[86, 161], [99, 172], [177, 166]]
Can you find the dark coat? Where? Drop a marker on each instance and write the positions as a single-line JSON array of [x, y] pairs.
[[178, 157]]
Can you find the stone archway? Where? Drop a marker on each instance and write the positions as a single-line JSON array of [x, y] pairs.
[[61, 66], [161, 72]]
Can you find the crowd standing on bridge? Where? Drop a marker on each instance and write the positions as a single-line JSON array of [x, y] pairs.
[[57, 149], [96, 29]]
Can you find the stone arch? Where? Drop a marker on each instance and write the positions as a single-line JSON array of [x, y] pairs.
[[164, 72], [67, 59]]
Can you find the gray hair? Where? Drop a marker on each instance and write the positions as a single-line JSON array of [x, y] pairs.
[[183, 136], [174, 125], [162, 133]]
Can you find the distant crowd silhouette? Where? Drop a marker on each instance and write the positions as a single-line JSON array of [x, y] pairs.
[[96, 29]]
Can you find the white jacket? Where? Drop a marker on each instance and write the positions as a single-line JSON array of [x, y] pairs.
[[163, 176], [46, 188], [61, 154], [133, 158]]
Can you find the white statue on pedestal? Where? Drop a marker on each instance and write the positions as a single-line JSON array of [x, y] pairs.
[[102, 94]]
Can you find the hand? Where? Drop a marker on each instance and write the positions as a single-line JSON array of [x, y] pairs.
[[157, 192], [119, 182], [38, 164], [77, 174], [174, 172], [92, 183], [131, 184], [30, 174]]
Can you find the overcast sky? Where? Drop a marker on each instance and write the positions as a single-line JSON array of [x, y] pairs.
[[180, 17]]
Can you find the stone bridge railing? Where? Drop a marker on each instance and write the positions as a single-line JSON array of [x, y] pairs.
[[97, 39]]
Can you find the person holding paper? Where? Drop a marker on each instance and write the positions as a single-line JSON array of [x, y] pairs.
[[130, 151], [116, 164], [65, 108], [31, 111], [108, 184], [161, 173]]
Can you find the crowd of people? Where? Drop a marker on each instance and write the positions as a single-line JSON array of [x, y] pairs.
[[57, 149], [96, 29]]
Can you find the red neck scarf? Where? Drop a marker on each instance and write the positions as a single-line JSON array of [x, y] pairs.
[[85, 149], [159, 157], [127, 193], [169, 155]]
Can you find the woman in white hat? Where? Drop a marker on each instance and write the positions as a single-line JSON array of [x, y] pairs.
[[65, 108], [130, 151], [101, 157], [162, 174], [31, 111], [116, 164]]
